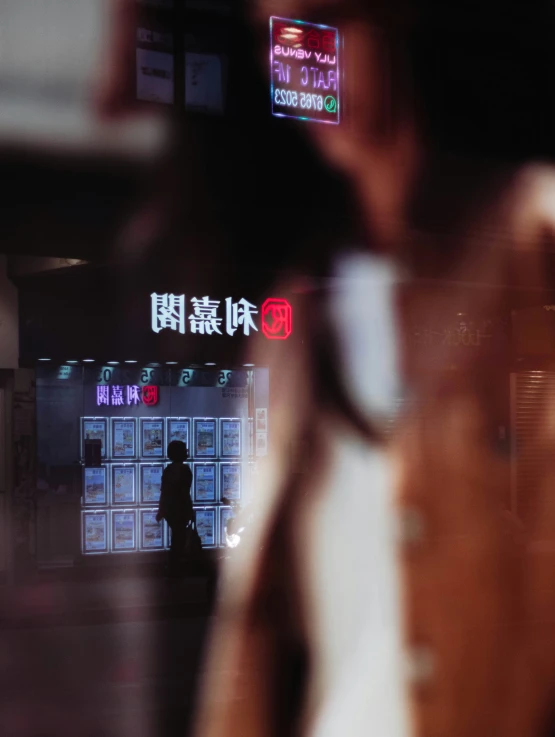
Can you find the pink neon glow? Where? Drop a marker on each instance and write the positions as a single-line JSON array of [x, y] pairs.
[[277, 319], [294, 42]]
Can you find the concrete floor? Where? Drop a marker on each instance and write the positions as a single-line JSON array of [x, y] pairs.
[[79, 662]]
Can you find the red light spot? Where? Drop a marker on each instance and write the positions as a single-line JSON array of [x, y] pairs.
[[277, 319]]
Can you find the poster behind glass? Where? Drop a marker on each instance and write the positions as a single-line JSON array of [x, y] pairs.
[[231, 481], [124, 530], [95, 486], [178, 429], [204, 89], [124, 484], [226, 513], [151, 482], [155, 75], [152, 532], [206, 526], [124, 439], [205, 438], [261, 419], [261, 444], [230, 437], [94, 428], [204, 482], [152, 438], [94, 532]]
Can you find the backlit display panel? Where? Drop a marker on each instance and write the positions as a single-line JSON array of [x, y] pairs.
[[304, 68]]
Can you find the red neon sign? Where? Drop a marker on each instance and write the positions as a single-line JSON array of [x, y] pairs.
[[277, 319], [150, 395]]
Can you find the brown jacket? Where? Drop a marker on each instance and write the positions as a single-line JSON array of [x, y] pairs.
[[479, 605]]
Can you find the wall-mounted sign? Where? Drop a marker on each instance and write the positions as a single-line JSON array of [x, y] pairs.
[[277, 319], [304, 61], [155, 65], [122, 396], [205, 316]]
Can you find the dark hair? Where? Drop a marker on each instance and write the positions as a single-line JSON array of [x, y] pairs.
[[177, 451]]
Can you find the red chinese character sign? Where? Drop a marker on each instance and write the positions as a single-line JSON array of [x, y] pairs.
[[277, 319], [305, 81], [150, 395], [126, 396]]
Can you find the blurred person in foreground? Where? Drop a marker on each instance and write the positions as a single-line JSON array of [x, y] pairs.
[[379, 593]]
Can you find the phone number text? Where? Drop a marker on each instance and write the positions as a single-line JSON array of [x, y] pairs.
[[295, 99]]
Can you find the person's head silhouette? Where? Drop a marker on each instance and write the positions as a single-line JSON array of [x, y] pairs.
[[177, 451]]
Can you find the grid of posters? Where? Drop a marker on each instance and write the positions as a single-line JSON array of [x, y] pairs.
[[151, 482], [230, 481], [225, 514], [205, 438], [152, 438], [205, 482], [95, 428], [133, 451], [124, 524], [123, 484], [95, 532], [94, 486], [206, 526], [123, 438], [230, 438], [152, 532], [178, 429]]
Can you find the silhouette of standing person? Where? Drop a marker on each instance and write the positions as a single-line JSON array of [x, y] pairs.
[[175, 505]]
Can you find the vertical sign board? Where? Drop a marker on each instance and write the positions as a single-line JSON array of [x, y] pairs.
[[304, 59]]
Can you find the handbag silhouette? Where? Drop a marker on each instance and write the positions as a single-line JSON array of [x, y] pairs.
[[193, 545]]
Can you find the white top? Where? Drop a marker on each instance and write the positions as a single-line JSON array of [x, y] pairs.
[[347, 546]]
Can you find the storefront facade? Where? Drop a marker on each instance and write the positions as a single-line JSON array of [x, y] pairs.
[[111, 393], [133, 412], [136, 363]]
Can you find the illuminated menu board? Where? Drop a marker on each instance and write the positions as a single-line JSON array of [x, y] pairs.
[[304, 68]]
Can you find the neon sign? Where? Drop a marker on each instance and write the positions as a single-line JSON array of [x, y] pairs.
[[304, 67], [121, 396], [277, 319], [204, 317]]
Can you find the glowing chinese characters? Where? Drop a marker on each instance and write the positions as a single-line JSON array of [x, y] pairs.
[[168, 311], [126, 396], [208, 316], [204, 316], [305, 81]]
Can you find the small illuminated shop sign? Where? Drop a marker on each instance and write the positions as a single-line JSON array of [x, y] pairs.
[[206, 316], [126, 396], [304, 67]]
